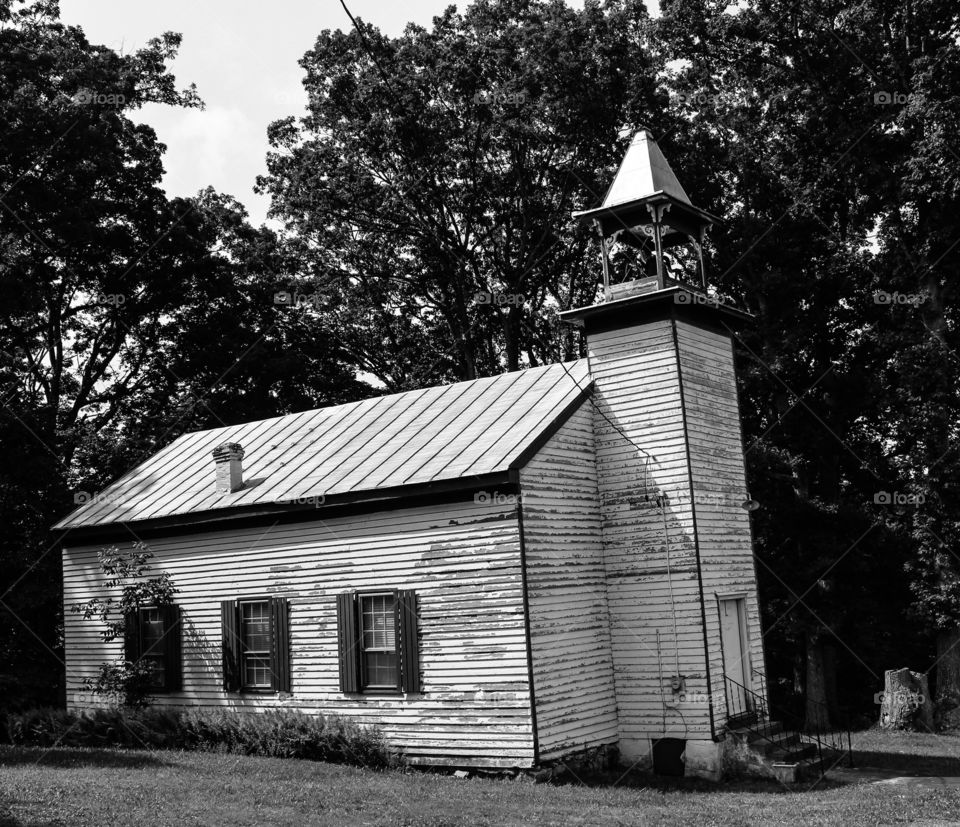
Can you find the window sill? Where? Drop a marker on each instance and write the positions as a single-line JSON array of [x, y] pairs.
[[375, 693]]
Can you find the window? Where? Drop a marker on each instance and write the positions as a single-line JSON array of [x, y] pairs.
[[153, 646], [256, 651], [255, 644], [152, 638], [378, 637], [378, 642]]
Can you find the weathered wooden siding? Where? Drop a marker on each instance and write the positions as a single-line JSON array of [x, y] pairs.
[[719, 480], [653, 590], [567, 593], [462, 559]]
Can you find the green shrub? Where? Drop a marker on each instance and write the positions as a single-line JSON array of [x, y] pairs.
[[278, 733]]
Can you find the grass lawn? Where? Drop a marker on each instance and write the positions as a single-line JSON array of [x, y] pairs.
[[97, 787]]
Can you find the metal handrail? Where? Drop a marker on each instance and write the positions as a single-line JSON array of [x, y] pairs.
[[830, 739]]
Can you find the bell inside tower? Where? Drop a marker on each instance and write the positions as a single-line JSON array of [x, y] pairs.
[[652, 236]]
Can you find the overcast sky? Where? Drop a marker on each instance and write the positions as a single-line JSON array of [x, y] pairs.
[[243, 58]]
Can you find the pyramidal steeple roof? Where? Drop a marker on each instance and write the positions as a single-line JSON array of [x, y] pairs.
[[643, 172]]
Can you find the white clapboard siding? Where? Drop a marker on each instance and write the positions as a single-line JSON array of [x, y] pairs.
[[566, 585], [463, 561], [637, 389], [719, 479]]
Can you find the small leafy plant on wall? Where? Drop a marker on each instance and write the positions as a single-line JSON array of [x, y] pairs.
[[141, 612]]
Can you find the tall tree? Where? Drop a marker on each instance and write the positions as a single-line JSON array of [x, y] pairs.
[[128, 317], [432, 180], [833, 118]]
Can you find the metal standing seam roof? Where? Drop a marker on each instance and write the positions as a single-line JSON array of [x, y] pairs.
[[643, 172], [424, 436]]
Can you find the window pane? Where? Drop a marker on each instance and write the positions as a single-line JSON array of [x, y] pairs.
[[379, 639], [381, 668], [151, 632], [378, 622], [256, 670], [255, 626], [156, 674]]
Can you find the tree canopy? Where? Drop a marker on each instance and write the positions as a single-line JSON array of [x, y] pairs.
[[424, 202]]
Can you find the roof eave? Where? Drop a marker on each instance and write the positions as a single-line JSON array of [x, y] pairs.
[[225, 518], [658, 197]]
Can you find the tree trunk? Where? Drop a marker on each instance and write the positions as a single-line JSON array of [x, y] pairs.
[[924, 719], [906, 701], [816, 711], [948, 679]]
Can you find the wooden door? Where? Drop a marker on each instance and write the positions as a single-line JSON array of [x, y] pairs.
[[736, 664]]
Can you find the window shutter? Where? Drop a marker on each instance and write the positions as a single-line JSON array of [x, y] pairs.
[[173, 669], [231, 645], [280, 651], [131, 636], [349, 643], [408, 644]]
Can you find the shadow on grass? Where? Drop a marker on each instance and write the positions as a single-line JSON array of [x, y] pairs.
[[906, 763], [10, 821], [76, 757], [666, 784]]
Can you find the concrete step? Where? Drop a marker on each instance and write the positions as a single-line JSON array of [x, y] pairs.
[[783, 741], [792, 754], [758, 730]]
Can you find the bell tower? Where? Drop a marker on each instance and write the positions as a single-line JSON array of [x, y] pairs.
[[651, 235], [686, 642]]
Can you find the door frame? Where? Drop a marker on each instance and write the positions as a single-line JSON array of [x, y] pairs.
[[745, 654]]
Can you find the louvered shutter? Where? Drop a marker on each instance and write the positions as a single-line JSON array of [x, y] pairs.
[[173, 668], [408, 644], [131, 636], [349, 643], [230, 625], [280, 649]]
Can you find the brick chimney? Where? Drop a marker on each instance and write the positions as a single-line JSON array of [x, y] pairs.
[[229, 459]]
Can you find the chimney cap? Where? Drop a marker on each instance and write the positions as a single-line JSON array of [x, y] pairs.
[[228, 450]]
